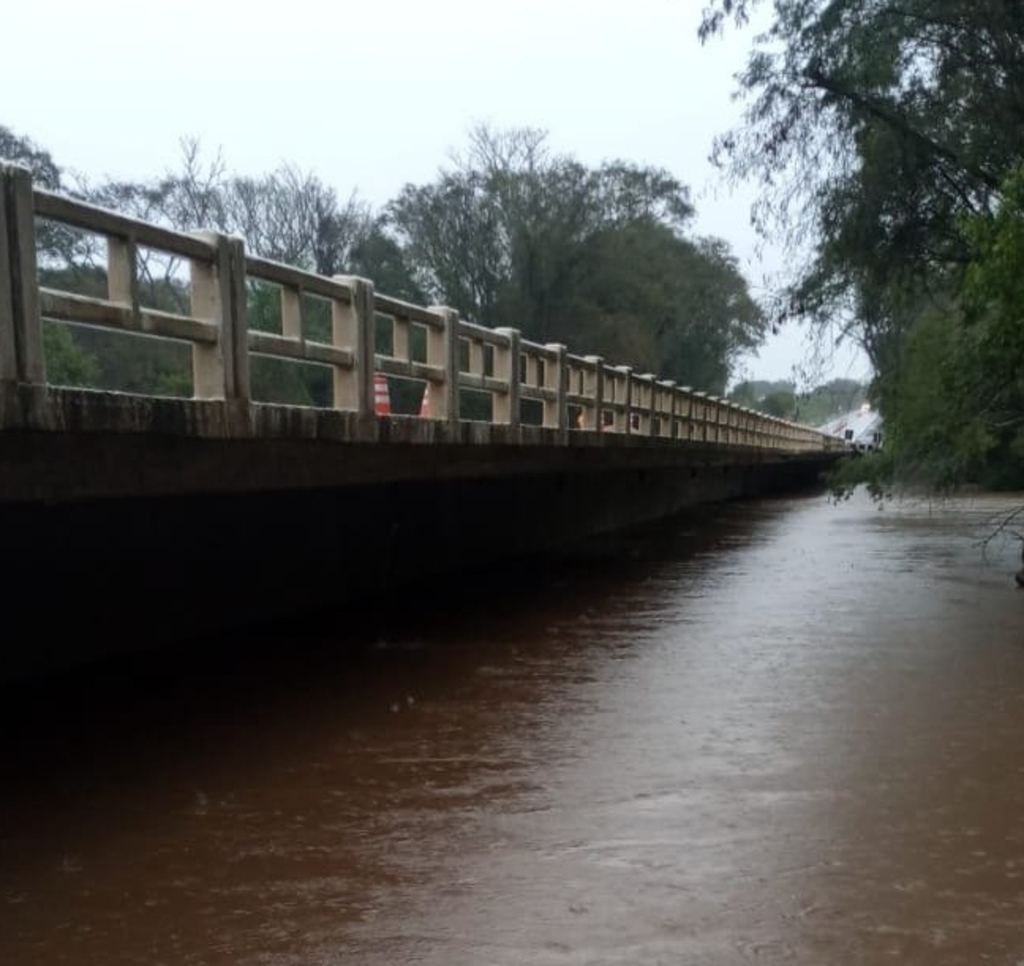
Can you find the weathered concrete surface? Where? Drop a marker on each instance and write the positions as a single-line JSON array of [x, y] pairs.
[[72, 466], [137, 520], [71, 445], [96, 577]]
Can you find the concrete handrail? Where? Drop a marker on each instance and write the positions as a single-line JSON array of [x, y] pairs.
[[576, 393]]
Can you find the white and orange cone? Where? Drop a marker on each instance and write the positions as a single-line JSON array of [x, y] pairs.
[[425, 405], [381, 396]]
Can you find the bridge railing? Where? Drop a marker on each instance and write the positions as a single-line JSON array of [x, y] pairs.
[[571, 393]]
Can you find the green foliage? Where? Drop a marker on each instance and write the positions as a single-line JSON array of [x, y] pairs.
[[596, 258], [936, 433], [873, 126], [886, 136], [826, 402], [782, 404], [379, 257], [66, 363], [812, 408], [955, 396], [21, 150], [873, 470]]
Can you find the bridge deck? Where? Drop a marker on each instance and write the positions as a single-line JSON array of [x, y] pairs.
[[146, 517], [582, 404]]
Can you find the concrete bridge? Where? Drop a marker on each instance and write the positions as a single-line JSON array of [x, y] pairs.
[[124, 503]]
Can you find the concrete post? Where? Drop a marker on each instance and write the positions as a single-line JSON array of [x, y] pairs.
[[624, 420], [443, 351], [399, 339], [593, 419], [556, 414], [352, 326], [684, 411], [647, 406], [477, 362], [221, 371], [667, 418], [291, 313], [21, 331], [506, 367], [122, 279], [8, 342], [698, 417]]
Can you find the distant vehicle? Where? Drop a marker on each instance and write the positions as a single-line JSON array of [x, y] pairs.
[[861, 429]]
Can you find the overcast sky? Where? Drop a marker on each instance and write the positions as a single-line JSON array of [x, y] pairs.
[[373, 94]]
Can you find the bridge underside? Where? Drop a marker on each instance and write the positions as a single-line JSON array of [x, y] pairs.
[[140, 538]]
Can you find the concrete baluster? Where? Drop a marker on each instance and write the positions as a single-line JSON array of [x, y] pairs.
[[221, 371], [657, 408], [443, 351], [8, 341], [593, 388], [21, 333], [668, 412], [556, 412], [353, 326], [716, 418], [477, 361], [122, 278], [399, 339], [647, 402], [680, 411], [291, 313], [624, 419], [506, 368]]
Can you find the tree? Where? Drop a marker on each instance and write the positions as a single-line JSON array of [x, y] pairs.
[[21, 150], [882, 133], [67, 364], [872, 127], [823, 403], [598, 258], [781, 404], [379, 257]]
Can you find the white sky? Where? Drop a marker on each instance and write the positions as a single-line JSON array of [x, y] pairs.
[[376, 93]]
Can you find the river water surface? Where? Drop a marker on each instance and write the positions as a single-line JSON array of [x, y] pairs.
[[774, 732]]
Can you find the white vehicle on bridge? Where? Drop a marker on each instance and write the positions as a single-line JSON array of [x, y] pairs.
[[861, 429]]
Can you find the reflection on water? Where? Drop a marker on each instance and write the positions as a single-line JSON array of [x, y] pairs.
[[774, 732]]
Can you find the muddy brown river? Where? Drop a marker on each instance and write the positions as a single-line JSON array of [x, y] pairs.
[[771, 732]]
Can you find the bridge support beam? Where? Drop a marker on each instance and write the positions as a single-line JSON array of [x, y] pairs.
[[147, 570]]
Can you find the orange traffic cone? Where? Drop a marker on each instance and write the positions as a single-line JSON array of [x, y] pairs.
[[425, 405], [381, 396]]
